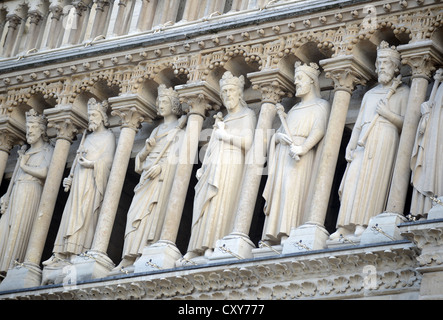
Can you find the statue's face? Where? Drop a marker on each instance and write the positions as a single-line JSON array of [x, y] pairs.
[[231, 96], [164, 106], [385, 68], [95, 120], [33, 132], [302, 83]]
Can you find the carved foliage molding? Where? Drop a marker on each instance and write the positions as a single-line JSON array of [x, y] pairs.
[[386, 271]]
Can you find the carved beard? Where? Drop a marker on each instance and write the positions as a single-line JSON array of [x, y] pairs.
[[32, 138], [301, 90], [384, 77], [93, 126]]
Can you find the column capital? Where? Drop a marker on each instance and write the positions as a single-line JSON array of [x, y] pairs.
[[66, 120], [199, 96], [14, 20], [422, 57], [12, 132], [56, 10], [274, 84], [36, 16], [132, 110], [346, 72]]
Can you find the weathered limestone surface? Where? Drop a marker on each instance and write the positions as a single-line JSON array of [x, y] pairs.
[[55, 55]]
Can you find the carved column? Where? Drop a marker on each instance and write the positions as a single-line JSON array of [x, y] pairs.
[[191, 10], [67, 121], [80, 22], [35, 28], [346, 72], [132, 110], [200, 97], [273, 84], [421, 57], [11, 37], [56, 27], [6, 144], [147, 15], [101, 17], [11, 133]]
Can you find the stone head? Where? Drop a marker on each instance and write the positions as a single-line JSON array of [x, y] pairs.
[[168, 102], [35, 127]]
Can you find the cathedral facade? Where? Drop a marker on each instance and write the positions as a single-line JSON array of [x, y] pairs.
[[228, 149]]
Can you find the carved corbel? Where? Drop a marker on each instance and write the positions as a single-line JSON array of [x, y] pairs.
[[66, 120], [274, 84], [346, 72], [422, 57], [132, 110], [200, 97]]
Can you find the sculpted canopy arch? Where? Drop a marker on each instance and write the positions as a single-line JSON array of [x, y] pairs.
[[101, 85], [246, 58], [237, 65]]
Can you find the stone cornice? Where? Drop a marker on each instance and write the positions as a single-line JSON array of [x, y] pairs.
[[298, 21], [354, 272]]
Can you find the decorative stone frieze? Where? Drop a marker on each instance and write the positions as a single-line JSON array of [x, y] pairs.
[[383, 271], [123, 52]]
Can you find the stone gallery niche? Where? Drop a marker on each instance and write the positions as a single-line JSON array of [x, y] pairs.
[[221, 149]]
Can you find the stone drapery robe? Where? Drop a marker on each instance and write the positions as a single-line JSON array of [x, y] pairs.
[[426, 161], [287, 187], [148, 207], [218, 189], [80, 215], [16, 223], [365, 185]]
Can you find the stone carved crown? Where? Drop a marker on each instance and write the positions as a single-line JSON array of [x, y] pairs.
[[34, 116], [312, 69], [229, 79], [101, 107], [173, 96], [385, 50], [164, 91]]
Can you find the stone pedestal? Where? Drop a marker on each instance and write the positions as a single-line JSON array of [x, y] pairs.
[[23, 276], [232, 247], [266, 251], [160, 255], [91, 265], [305, 238], [436, 211], [84, 267], [428, 236], [383, 228]]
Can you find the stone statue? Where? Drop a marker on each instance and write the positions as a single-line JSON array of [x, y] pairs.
[[88, 182], [219, 178], [372, 149], [156, 163], [426, 164], [21, 201], [292, 156]]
